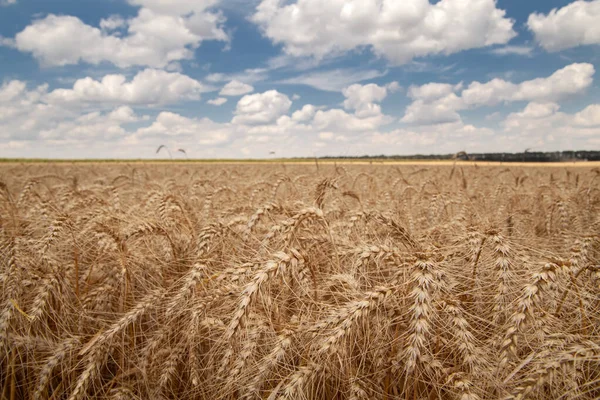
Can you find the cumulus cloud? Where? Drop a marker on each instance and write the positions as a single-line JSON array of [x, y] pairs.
[[123, 114], [440, 111], [261, 108], [203, 130], [249, 75], [92, 125], [17, 102], [284, 126], [362, 98], [396, 30], [329, 124], [432, 91], [442, 138], [537, 110], [175, 7], [26, 114], [148, 87], [341, 121], [31, 123], [590, 116], [306, 113], [219, 101], [153, 38], [567, 81], [31, 119], [573, 25], [545, 126], [513, 50], [259, 119], [7, 2], [11, 90], [439, 103], [112, 23], [433, 103], [236, 88], [358, 95], [333, 80]]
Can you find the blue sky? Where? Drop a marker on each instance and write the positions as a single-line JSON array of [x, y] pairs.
[[243, 78]]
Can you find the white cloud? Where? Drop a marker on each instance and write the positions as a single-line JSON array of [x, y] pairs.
[[34, 122], [362, 98], [332, 137], [544, 126], [249, 75], [123, 114], [11, 90], [148, 87], [261, 119], [358, 95], [333, 80], [305, 114], [219, 101], [31, 125], [515, 50], [567, 81], [396, 30], [8, 92], [489, 93], [261, 108], [14, 144], [438, 103], [284, 126], [537, 110], [590, 116], [92, 125], [432, 91], [16, 103], [236, 88], [175, 7], [434, 103], [201, 131], [340, 121], [573, 25], [26, 115], [112, 23], [393, 87], [7, 42], [495, 116], [7, 2], [431, 139], [207, 26], [312, 120], [440, 111], [153, 39], [289, 62]]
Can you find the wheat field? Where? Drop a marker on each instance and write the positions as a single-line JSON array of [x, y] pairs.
[[192, 281]]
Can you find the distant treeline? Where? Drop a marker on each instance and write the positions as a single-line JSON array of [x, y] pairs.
[[534, 156]]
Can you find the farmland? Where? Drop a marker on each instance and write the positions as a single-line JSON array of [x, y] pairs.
[[299, 281]]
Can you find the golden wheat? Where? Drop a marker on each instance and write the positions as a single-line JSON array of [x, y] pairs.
[[195, 281]]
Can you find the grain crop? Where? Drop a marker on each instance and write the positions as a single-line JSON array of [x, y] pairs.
[[307, 281]]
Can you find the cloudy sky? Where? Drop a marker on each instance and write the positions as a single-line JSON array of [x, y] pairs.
[[242, 78]]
